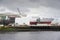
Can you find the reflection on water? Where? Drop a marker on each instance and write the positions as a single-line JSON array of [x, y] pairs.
[[41, 35]]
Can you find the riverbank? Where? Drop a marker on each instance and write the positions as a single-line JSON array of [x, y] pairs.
[[30, 28]]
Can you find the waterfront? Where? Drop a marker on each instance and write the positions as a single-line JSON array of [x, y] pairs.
[[37, 35]]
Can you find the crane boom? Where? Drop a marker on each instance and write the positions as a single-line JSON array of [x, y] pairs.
[[20, 13]]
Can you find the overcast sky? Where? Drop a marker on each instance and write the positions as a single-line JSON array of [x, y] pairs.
[[42, 8]]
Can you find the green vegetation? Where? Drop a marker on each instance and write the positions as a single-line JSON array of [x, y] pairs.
[[7, 29], [14, 28]]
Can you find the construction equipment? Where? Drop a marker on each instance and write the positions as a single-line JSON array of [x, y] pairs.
[[22, 15]]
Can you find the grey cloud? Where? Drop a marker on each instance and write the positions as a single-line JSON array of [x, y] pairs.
[[24, 4], [13, 4], [34, 1], [30, 3], [53, 3], [48, 3]]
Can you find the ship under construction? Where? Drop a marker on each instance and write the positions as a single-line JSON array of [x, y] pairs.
[[41, 22]]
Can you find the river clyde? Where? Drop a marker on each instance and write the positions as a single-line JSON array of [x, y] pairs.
[[37, 35]]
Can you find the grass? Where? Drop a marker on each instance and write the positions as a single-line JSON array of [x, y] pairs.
[[7, 29]]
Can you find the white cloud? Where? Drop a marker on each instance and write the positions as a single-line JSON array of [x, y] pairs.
[[44, 12]]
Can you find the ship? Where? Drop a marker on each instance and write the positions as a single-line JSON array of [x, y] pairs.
[[41, 22]]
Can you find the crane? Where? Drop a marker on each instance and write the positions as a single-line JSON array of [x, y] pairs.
[[22, 15]]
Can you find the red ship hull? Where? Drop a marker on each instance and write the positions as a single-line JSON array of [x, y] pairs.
[[35, 23]]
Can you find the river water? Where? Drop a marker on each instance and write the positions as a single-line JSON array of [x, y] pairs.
[[38, 35]]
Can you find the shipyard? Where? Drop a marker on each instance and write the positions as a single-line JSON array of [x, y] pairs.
[[9, 20], [29, 19]]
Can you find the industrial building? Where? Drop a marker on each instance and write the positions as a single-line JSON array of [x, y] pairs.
[[8, 18]]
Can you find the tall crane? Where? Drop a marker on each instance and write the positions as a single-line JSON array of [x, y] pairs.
[[22, 15]]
